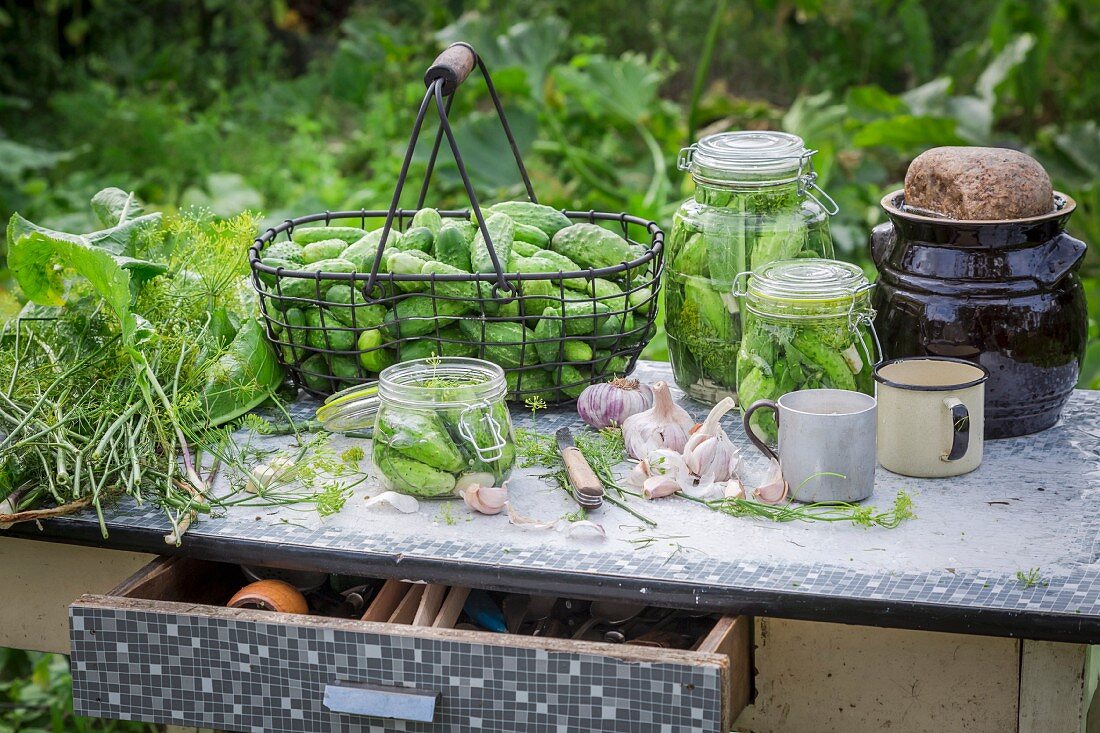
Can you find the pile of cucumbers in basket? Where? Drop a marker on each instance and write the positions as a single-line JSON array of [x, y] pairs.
[[552, 339]]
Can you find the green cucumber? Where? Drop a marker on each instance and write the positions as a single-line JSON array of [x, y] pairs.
[[372, 356], [571, 380], [348, 235], [520, 248], [420, 315], [419, 435], [531, 236], [428, 218], [276, 263], [409, 476], [465, 226], [450, 247], [525, 384], [590, 245], [315, 373], [417, 238], [835, 369], [363, 251], [546, 218], [501, 230], [285, 250], [347, 306], [506, 344], [428, 347], [581, 317], [328, 335], [326, 249]]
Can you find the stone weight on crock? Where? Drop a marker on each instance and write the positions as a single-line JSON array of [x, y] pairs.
[[1002, 293]]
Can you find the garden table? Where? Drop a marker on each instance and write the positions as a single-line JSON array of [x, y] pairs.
[[979, 614]]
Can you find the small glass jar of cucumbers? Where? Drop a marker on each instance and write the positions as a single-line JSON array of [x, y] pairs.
[[807, 324], [754, 203], [442, 424]]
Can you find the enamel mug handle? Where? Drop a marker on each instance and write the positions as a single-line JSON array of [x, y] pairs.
[[960, 429], [761, 405]]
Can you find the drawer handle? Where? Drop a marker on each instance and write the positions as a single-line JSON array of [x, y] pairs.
[[401, 703]]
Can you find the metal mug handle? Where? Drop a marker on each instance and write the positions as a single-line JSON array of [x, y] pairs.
[[761, 445], [960, 429]]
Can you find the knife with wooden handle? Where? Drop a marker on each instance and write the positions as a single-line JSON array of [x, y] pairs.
[[587, 487]]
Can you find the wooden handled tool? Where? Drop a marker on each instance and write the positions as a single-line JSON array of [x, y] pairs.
[[587, 487]]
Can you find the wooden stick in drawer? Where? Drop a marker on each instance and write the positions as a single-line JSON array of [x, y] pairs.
[[451, 608], [387, 600], [406, 610], [430, 604]]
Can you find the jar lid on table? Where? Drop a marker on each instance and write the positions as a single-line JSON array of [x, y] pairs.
[[807, 288]]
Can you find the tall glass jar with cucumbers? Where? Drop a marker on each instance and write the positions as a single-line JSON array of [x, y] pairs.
[[442, 424], [755, 202], [807, 324]]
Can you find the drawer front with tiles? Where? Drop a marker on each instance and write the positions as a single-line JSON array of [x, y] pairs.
[[162, 649]]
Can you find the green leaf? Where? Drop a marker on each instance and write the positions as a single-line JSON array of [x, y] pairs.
[[625, 87], [1002, 66], [908, 133], [244, 377], [39, 257], [113, 206]]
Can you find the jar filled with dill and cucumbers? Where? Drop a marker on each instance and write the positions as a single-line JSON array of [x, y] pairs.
[[755, 202], [807, 325], [442, 425]]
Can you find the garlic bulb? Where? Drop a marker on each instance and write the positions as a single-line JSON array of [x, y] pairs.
[[610, 403], [665, 425], [485, 499], [709, 454]]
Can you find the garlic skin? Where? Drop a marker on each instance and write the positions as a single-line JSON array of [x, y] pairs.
[[665, 425], [485, 499], [709, 454]]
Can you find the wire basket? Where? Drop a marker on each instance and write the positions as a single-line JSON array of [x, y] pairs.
[[553, 332]]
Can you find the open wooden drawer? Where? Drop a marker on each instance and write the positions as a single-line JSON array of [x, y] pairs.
[[162, 648]]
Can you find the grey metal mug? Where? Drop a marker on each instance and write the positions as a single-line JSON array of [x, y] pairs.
[[827, 440]]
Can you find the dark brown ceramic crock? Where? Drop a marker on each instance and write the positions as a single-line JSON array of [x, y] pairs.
[[1004, 294]]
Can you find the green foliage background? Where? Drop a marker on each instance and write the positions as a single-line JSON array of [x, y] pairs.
[[289, 107]]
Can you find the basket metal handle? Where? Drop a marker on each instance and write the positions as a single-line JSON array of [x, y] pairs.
[[443, 78]]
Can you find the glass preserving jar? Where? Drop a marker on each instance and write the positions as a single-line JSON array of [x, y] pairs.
[[442, 423], [753, 204], [807, 325]]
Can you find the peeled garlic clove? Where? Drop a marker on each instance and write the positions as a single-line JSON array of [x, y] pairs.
[[774, 488], [401, 502], [485, 499], [734, 489], [656, 487], [478, 478], [638, 474], [261, 477]]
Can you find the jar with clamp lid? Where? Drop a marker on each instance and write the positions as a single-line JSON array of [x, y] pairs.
[[808, 324], [755, 202], [439, 424]]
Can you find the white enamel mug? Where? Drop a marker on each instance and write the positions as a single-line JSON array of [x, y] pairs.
[[931, 415]]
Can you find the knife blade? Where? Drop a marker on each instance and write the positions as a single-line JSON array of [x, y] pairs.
[[587, 487]]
